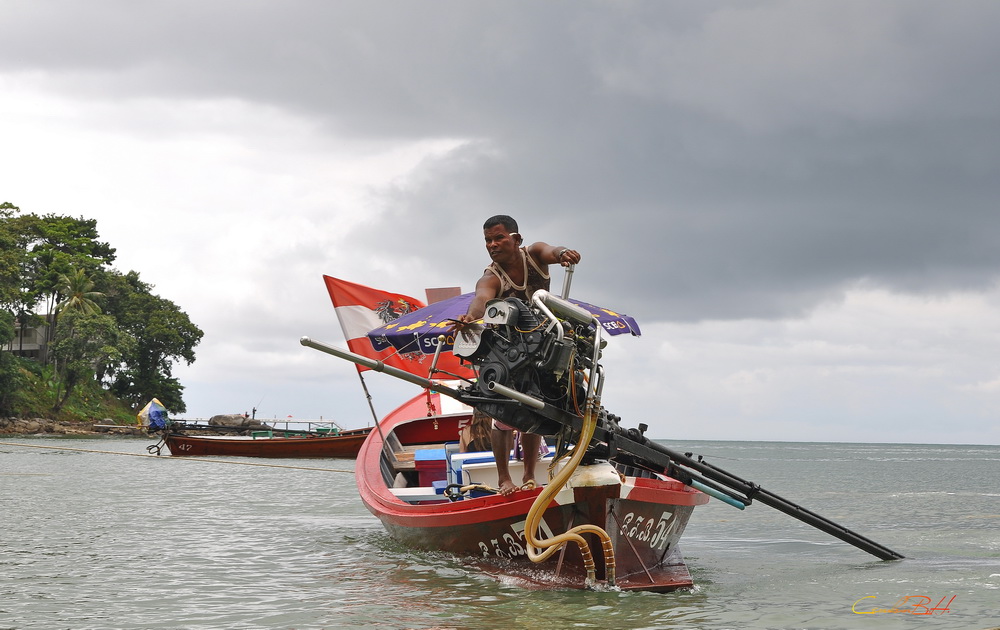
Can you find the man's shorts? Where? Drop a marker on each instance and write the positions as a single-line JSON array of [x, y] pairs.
[[501, 426]]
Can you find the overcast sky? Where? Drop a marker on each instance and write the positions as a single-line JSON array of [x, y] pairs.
[[796, 200]]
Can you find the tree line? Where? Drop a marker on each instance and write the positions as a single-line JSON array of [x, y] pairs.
[[104, 326]]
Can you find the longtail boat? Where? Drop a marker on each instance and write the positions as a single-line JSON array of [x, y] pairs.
[[344, 444], [614, 504], [411, 476]]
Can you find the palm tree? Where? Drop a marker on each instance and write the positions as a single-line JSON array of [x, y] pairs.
[[76, 286]]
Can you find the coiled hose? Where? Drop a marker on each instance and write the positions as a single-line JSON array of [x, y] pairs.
[[540, 550]]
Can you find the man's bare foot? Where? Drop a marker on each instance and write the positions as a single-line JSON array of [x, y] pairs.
[[507, 487]]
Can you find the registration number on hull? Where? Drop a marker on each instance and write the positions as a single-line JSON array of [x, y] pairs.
[[650, 530], [511, 544]]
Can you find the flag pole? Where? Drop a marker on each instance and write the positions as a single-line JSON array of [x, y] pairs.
[[371, 406], [368, 396]]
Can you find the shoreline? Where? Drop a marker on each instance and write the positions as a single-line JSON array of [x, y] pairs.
[[26, 427]]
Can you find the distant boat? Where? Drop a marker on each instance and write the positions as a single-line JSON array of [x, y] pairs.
[[267, 444]]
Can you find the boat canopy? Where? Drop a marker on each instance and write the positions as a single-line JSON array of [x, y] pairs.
[[154, 415]]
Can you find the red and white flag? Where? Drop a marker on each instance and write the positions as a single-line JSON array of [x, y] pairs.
[[361, 309]]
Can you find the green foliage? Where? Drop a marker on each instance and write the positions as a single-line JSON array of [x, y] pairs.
[[110, 336], [78, 289], [11, 257], [56, 246], [6, 327], [86, 342], [162, 334], [10, 373], [38, 392]]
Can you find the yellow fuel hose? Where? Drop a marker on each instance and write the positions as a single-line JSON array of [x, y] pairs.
[[539, 550]]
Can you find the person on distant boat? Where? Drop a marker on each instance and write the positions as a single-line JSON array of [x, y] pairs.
[[516, 271]]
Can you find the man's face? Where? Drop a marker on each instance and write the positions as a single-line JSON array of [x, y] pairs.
[[500, 243]]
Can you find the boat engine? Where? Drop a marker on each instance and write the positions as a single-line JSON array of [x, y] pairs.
[[543, 352]]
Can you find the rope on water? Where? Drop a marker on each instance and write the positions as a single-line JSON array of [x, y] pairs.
[[190, 459]]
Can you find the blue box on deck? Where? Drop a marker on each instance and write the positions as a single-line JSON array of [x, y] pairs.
[[431, 465], [460, 459]]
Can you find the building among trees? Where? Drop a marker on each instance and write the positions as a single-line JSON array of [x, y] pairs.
[[29, 341]]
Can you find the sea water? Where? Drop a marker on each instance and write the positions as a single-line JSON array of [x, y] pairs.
[[94, 533]]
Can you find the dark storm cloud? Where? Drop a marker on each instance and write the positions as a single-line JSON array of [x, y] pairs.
[[719, 160]]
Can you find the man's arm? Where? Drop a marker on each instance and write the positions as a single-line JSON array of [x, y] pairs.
[[487, 288], [553, 254]]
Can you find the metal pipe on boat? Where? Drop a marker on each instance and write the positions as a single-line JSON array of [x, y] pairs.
[[437, 353], [554, 324], [567, 310], [563, 308], [379, 366], [653, 452], [721, 496], [513, 394], [596, 373], [568, 280]]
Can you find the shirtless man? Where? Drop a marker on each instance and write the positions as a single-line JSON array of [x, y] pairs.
[[516, 271]]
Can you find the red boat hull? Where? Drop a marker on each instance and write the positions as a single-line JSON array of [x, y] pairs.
[[644, 517], [345, 444]]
